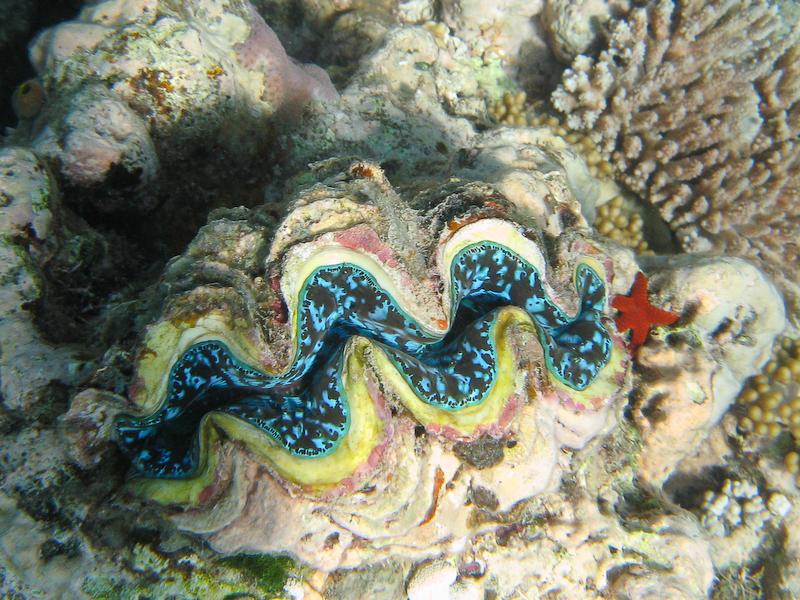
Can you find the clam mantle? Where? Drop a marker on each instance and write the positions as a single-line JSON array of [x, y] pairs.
[[453, 370], [379, 365]]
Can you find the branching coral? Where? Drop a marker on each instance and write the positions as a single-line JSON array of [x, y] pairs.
[[697, 106]]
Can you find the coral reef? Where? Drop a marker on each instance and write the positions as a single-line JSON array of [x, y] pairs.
[[193, 577], [350, 29], [515, 109], [510, 110], [570, 545], [741, 520], [574, 26], [262, 338], [770, 404], [621, 225], [696, 105], [737, 315], [412, 116], [437, 464], [432, 580], [509, 30]]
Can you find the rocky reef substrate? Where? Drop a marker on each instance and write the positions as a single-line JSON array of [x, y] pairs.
[[383, 329]]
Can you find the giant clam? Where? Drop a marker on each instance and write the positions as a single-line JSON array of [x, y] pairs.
[[389, 343]]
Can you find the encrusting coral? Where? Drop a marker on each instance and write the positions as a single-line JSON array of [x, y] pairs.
[[697, 107]]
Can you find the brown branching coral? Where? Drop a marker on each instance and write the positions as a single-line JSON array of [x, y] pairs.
[[697, 106]]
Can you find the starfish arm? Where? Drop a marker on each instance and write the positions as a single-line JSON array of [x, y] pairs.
[[623, 304], [639, 289], [658, 316], [625, 321], [639, 336], [637, 314]]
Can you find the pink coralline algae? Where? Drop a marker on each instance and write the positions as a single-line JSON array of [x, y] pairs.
[[287, 83]]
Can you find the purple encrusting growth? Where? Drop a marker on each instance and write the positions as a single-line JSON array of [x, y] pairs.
[[287, 83]]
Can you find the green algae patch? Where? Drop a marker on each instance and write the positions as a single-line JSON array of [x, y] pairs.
[[188, 576], [42, 202], [267, 572], [491, 77]]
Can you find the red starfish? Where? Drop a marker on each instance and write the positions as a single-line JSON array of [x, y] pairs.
[[637, 314]]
